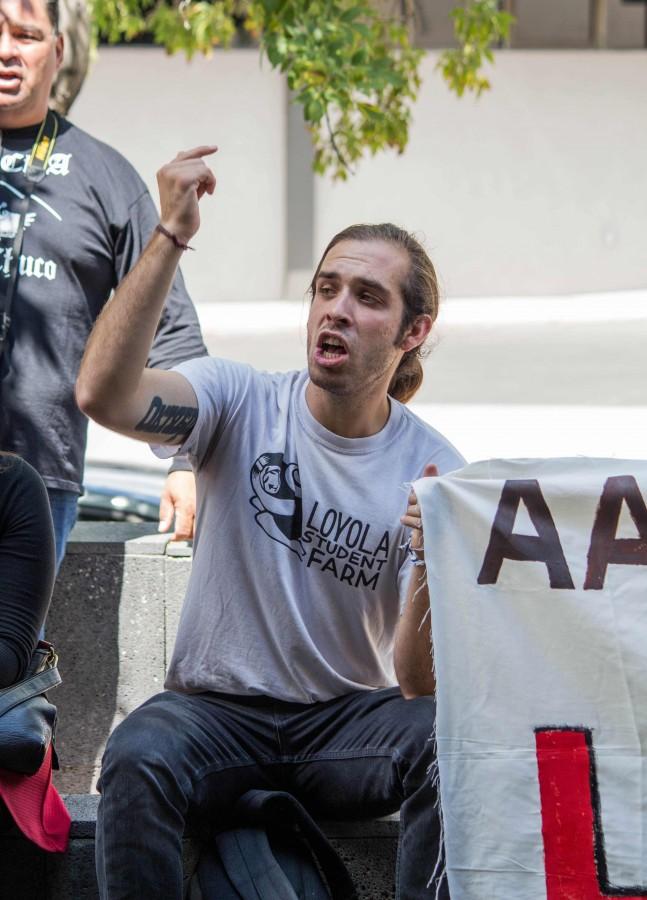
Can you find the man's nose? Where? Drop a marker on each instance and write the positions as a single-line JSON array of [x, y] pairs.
[[340, 309], [7, 42]]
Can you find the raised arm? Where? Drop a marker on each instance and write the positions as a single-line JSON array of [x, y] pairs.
[[114, 387], [413, 656]]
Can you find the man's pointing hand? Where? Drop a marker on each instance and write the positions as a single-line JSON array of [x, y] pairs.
[[182, 183]]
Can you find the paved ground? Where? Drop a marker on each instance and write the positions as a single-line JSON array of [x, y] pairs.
[[507, 377]]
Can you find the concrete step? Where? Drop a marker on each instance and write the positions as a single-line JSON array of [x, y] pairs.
[[27, 873]]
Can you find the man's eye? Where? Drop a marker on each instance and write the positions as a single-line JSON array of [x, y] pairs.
[[326, 290], [369, 298], [26, 37]]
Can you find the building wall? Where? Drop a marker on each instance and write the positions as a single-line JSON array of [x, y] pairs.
[[149, 105], [538, 187], [545, 24]]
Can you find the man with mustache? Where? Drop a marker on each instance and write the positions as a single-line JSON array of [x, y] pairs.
[[74, 217], [308, 672]]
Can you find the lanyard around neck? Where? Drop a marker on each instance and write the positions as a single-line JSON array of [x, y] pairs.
[[43, 148], [35, 171]]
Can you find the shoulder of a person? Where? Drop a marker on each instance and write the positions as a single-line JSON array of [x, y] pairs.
[[15, 470], [432, 442], [91, 151], [215, 367]]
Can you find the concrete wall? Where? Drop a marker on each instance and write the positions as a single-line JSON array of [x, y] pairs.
[[113, 620], [538, 187]]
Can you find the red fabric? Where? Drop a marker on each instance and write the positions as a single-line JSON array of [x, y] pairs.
[[564, 769], [36, 806]]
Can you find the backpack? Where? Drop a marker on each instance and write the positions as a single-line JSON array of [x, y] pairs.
[[275, 852]]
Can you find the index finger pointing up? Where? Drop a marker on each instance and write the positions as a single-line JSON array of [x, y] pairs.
[[197, 152]]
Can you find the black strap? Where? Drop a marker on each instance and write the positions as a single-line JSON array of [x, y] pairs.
[[35, 171], [267, 808], [30, 687], [6, 301], [250, 865]]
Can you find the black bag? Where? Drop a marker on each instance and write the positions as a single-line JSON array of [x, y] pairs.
[[27, 718], [276, 852]]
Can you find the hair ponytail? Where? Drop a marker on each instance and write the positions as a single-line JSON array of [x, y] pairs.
[[407, 378]]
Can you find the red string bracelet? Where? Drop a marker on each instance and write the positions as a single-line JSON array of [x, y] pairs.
[[169, 234]]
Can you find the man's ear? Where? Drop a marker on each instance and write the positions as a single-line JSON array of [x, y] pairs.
[[60, 47], [417, 333]]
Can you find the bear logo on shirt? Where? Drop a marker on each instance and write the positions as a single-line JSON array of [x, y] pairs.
[[277, 500]]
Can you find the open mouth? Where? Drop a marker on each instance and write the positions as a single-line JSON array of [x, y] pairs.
[[9, 80], [330, 350]]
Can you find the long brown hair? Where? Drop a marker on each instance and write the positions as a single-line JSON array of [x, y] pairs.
[[420, 294]]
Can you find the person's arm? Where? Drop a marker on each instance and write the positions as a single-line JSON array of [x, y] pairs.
[[114, 387], [413, 652], [178, 338], [27, 563]]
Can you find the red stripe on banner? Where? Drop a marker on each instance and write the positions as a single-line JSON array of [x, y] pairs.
[[573, 842]]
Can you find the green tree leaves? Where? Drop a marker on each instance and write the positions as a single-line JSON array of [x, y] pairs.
[[478, 26], [354, 73], [353, 70], [192, 26]]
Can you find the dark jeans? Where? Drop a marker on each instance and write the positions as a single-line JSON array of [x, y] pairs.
[[185, 756]]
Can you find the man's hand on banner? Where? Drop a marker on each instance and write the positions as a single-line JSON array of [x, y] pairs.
[[413, 517], [412, 656]]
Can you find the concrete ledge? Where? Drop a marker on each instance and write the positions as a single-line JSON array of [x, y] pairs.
[[113, 620], [368, 848]]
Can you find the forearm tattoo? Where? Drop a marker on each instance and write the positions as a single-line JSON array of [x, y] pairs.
[[176, 421]]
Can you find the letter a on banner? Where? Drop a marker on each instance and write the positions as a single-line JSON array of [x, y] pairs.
[[605, 547], [505, 544]]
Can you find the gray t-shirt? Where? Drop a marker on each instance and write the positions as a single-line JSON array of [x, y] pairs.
[[298, 568]]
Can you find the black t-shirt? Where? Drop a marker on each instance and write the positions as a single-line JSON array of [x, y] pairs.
[[26, 564], [88, 221]]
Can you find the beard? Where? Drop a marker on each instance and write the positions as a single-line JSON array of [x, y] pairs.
[[338, 386], [359, 376]]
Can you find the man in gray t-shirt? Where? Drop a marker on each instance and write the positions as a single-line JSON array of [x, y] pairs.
[[302, 660]]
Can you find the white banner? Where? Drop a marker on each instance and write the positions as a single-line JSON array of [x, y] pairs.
[[537, 573]]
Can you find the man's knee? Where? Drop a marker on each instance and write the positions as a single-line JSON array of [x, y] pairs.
[[418, 721], [147, 738], [417, 715]]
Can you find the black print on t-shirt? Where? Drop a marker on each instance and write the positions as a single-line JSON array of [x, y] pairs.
[[345, 547], [277, 500], [332, 541]]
